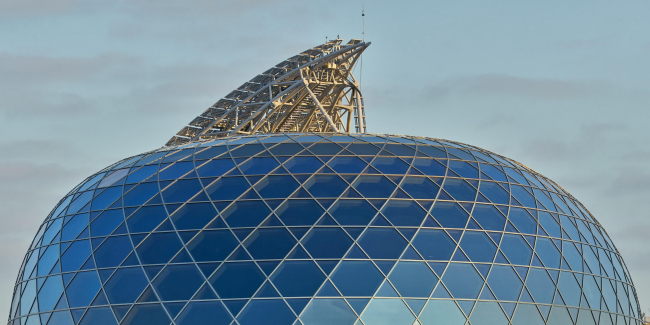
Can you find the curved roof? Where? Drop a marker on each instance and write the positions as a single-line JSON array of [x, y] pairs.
[[313, 91]]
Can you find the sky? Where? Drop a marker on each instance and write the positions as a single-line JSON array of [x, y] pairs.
[[560, 86]]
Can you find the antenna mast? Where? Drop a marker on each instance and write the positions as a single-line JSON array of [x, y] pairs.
[[363, 22]]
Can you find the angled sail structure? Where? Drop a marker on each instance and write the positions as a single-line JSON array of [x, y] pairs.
[[313, 91]]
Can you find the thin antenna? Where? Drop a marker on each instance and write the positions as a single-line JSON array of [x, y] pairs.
[[363, 22], [363, 38]]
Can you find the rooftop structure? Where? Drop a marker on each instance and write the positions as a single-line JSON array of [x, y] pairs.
[[313, 91]]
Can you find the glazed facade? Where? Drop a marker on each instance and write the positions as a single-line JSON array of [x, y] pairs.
[[322, 229]]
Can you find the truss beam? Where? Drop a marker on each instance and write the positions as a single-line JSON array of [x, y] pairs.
[[313, 91]]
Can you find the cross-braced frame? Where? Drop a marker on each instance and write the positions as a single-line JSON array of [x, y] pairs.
[[313, 91]]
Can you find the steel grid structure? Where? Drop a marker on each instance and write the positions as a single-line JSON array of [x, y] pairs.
[[313, 91]]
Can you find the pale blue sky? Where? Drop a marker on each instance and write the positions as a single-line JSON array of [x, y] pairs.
[[561, 86]]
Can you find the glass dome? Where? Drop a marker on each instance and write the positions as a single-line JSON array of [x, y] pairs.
[[322, 229]]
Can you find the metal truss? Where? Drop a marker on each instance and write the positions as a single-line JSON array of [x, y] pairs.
[[313, 91]]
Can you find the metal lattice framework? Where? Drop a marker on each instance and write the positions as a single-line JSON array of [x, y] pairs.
[[313, 91]]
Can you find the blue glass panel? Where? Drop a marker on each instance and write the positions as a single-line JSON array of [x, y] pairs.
[[357, 278], [141, 174], [80, 202], [49, 294], [463, 169], [413, 279], [325, 148], [258, 165], [215, 168], [572, 256], [106, 223], [387, 312], [347, 165], [210, 153], [48, 259], [178, 282], [125, 285], [227, 188], [198, 312], [441, 312], [272, 243], [540, 286], [526, 314], [276, 186], [494, 172], [489, 217], [505, 283], [27, 299], [193, 216], [141, 194], [383, 243], [570, 289], [82, 289], [159, 248], [463, 281], [273, 311], [550, 224], [449, 214], [478, 246], [560, 315], [548, 253], [175, 171], [389, 165], [523, 196], [51, 231], [516, 176], [237, 280], [430, 167], [327, 242], [146, 218], [374, 186], [298, 278], [434, 244], [420, 187], [462, 154], [299, 212], [59, 318], [181, 191], [75, 256], [286, 149], [516, 249], [98, 316], [213, 245], [459, 189], [433, 151], [247, 150], [113, 251], [178, 155], [404, 213], [303, 165], [488, 313], [150, 314], [246, 213], [328, 312], [326, 186], [106, 198], [73, 228], [150, 158], [400, 150], [523, 221], [493, 192], [353, 212]]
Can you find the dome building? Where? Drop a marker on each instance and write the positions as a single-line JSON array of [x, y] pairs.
[[276, 207]]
